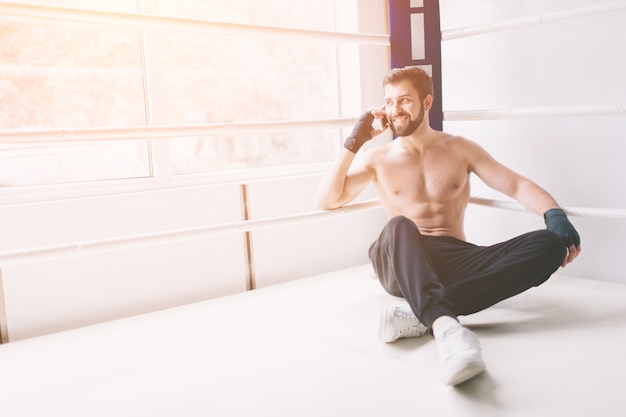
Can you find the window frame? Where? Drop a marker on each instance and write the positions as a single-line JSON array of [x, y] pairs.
[[349, 42]]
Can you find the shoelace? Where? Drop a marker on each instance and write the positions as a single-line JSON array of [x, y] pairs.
[[455, 340], [406, 323]]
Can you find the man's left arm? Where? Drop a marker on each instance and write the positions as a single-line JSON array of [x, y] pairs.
[[528, 194]]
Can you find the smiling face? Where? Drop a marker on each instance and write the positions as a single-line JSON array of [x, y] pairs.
[[403, 108]]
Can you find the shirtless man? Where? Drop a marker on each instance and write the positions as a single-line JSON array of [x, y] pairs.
[[423, 182]]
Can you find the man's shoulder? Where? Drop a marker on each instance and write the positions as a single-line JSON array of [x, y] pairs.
[[457, 142], [379, 151], [450, 138]]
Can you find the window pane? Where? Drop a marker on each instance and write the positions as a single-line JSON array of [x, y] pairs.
[[214, 78], [69, 75], [220, 79], [66, 75], [53, 163], [56, 74], [249, 151]]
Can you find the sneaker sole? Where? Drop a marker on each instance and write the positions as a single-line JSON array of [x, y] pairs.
[[465, 374], [382, 326]]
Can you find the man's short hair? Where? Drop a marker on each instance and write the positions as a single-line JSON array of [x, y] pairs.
[[420, 79]]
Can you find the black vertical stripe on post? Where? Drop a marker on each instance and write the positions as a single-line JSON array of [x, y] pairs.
[[401, 14]]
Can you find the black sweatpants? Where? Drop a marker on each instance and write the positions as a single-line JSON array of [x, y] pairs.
[[442, 275]]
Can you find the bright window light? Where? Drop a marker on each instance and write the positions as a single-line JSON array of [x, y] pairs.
[[63, 74]]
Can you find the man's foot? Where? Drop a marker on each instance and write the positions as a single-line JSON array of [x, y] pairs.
[[397, 322], [460, 355]]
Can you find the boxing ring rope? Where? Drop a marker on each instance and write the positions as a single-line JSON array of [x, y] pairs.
[[166, 132], [215, 129], [46, 253], [148, 21], [605, 213], [532, 20], [535, 113], [172, 236]]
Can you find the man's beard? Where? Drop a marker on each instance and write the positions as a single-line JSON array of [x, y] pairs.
[[411, 126]]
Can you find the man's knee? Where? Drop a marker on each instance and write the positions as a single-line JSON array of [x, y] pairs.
[[551, 245], [391, 286], [551, 252]]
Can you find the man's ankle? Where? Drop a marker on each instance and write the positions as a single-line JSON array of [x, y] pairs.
[[443, 323]]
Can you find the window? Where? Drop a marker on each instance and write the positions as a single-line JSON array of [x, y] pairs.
[[70, 75], [216, 78], [202, 64]]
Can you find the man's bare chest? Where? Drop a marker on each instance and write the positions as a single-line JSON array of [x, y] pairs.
[[422, 179]]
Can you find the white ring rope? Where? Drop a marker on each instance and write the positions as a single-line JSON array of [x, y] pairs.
[[532, 20], [534, 113], [147, 21], [136, 241], [572, 211], [47, 253], [244, 128], [167, 132]]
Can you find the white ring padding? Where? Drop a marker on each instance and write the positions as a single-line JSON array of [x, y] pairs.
[[147, 21], [532, 20], [167, 132], [534, 113]]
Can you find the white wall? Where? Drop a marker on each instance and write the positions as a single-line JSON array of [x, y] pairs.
[[290, 252], [580, 160], [54, 295], [41, 297]]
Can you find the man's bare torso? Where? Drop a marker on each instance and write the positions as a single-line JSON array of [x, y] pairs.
[[429, 186]]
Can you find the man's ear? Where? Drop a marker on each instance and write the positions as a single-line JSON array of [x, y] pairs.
[[428, 102]]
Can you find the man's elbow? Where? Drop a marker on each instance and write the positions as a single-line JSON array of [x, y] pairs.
[[325, 203]]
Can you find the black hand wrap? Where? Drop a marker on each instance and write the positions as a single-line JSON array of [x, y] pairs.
[[557, 221], [361, 133]]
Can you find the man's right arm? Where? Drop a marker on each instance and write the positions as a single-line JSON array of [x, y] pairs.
[[343, 182]]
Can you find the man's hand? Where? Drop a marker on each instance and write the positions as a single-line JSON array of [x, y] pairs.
[[557, 221], [363, 131]]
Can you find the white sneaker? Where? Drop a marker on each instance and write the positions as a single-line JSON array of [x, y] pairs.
[[398, 322], [460, 355]]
